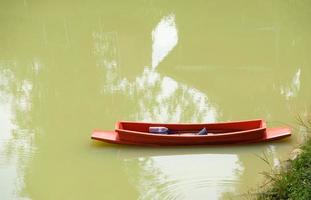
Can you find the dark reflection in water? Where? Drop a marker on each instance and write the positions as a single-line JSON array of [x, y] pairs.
[[66, 68]]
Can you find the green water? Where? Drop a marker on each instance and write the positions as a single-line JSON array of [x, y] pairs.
[[67, 68]]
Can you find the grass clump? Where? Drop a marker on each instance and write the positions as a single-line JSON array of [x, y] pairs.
[[294, 180]]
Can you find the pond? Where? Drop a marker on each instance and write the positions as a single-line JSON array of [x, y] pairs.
[[67, 68]]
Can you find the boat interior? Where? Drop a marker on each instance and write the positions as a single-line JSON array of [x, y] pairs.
[[193, 129]]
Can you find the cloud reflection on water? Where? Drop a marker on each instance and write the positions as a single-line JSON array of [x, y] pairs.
[[161, 98], [293, 88], [186, 176], [164, 39], [16, 138]]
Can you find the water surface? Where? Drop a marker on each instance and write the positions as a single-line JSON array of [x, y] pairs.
[[67, 68]]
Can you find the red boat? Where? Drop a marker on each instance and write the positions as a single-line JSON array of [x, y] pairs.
[[137, 133]]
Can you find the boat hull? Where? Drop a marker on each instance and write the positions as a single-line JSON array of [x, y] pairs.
[[244, 132]]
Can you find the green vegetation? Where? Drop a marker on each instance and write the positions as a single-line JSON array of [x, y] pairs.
[[293, 180]]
